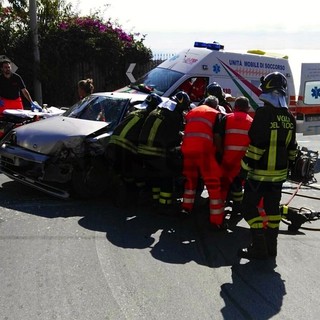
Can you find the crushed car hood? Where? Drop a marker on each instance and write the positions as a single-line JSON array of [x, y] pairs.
[[43, 137]]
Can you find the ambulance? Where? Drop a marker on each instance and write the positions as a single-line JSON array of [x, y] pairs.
[[307, 109], [238, 74]]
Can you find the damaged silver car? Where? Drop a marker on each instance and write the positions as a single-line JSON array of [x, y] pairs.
[[65, 155]]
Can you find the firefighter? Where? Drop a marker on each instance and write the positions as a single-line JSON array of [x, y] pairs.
[[271, 151], [123, 146], [201, 142], [236, 140], [161, 133], [215, 89]]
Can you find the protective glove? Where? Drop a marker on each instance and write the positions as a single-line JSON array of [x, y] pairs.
[[1, 103], [35, 107]]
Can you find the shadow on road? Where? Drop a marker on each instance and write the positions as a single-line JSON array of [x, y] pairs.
[[256, 292], [170, 239]]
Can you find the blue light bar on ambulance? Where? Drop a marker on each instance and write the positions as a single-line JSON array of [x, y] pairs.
[[213, 46]]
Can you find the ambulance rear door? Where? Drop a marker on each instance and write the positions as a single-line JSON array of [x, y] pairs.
[[308, 104]]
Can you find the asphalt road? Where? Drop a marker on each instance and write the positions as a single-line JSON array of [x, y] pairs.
[[90, 260]]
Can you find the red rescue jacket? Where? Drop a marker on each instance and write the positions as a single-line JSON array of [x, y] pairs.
[[236, 139], [199, 129]]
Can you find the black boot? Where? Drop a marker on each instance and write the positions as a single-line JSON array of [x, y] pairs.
[[258, 248], [271, 238]]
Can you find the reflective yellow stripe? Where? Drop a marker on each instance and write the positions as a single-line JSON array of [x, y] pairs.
[[237, 196], [269, 176], [124, 143], [285, 209], [256, 223], [254, 152], [153, 131], [245, 166], [272, 156], [152, 151], [273, 225], [128, 126], [273, 217], [165, 201], [288, 139], [165, 194]]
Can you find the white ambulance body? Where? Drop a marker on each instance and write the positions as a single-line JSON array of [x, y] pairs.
[[307, 110], [239, 75]]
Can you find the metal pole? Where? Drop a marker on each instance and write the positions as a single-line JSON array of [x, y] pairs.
[[36, 53]]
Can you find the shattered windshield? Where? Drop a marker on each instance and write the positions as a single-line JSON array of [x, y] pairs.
[[103, 108], [158, 80]]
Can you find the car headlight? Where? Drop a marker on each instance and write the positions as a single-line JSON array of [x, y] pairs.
[[11, 138]]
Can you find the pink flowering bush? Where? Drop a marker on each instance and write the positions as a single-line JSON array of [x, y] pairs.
[[66, 43]]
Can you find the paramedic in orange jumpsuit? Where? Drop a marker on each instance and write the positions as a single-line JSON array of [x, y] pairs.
[[236, 140], [200, 144]]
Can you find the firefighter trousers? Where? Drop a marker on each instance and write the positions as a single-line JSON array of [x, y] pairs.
[[270, 192]]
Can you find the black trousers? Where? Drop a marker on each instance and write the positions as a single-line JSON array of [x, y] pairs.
[[254, 191]]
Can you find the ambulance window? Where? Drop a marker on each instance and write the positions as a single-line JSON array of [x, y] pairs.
[[159, 80], [312, 92]]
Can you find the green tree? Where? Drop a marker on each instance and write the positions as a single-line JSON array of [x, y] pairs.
[[67, 43]]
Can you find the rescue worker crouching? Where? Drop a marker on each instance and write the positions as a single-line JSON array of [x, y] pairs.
[[123, 150], [272, 148], [201, 142], [161, 132], [235, 142]]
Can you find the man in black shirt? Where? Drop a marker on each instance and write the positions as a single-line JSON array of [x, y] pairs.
[[11, 86]]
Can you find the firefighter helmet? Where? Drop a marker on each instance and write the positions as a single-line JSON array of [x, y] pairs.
[[214, 89], [151, 102], [182, 99], [274, 81]]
